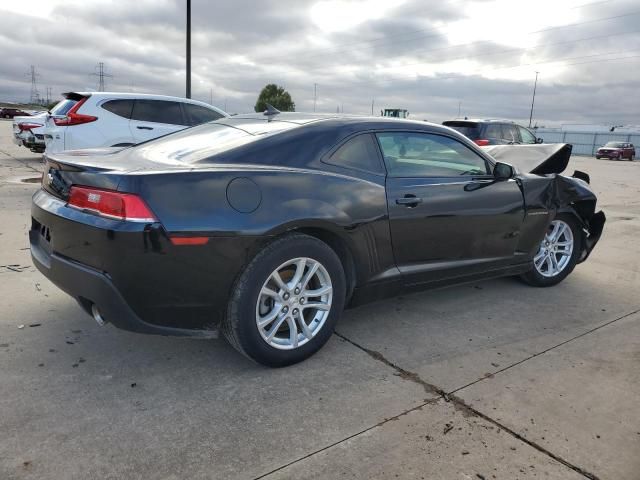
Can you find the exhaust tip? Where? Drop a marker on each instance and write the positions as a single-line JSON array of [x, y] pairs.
[[97, 316]]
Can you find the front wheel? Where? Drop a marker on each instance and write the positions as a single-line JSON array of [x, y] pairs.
[[287, 301], [558, 253]]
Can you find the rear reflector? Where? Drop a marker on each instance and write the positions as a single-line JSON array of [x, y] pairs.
[[111, 204], [74, 118], [28, 126], [189, 240], [482, 143]]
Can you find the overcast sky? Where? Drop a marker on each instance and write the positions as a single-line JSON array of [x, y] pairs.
[[431, 58]]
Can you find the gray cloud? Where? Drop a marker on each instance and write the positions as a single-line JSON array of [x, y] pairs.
[[240, 45]]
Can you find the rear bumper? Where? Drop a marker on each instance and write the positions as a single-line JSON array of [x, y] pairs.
[[90, 286]]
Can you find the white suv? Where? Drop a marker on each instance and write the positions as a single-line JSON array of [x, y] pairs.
[[105, 119]]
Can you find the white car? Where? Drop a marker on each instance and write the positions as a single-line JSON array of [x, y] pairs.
[[29, 132], [105, 119]]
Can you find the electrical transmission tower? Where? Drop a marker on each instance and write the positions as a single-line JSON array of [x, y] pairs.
[[101, 76], [35, 95]]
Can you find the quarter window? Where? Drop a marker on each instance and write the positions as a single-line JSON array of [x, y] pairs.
[[427, 155], [122, 108], [526, 135], [359, 153], [158, 111], [197, 114]]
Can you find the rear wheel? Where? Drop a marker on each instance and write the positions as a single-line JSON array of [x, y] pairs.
[[287, 301], [558, 253]]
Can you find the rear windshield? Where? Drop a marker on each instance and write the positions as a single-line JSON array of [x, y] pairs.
[[196, 143], [468, 129], [63, 107], [615, 144]]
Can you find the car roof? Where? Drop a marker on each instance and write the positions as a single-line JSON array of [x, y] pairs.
[[301, 118], [481, 120], [141, 96]]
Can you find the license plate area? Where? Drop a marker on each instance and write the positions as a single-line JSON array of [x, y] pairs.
[[40, 236]]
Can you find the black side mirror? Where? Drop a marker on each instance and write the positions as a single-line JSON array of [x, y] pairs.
[[539, 140], [503, 171]]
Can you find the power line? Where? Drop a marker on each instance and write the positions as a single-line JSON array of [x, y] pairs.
[[34, 97], [436, 33], [485, 54], [101, 76], [493, 69]]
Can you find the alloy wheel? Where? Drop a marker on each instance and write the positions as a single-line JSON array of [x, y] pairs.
[[294, 303], [555, 250]]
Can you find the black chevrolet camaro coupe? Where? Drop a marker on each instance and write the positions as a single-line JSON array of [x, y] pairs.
[[265, 227]]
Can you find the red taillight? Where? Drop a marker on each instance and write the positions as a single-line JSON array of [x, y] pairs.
[[108, 203], [28, 126], [482, 142], [74, 118]]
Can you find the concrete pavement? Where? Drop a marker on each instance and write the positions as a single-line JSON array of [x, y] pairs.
[[488, 380]]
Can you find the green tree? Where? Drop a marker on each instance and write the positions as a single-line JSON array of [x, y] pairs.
[[276, 96]]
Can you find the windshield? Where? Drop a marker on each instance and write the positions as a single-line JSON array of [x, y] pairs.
[[468, 129], [615, 144]]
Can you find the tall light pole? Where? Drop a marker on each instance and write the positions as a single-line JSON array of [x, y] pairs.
[[315, 95], [533, 99], [188, 90]]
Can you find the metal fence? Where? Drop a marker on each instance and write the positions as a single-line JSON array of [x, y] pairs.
[[586, 143]]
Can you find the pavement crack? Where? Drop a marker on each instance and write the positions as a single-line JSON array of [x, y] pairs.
[[537, 354], [327, 447], [402, 373], [467, 409]]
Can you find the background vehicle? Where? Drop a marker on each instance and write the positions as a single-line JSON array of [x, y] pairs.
[[29, 132], [104, 119], [616, 151], [266, 226], [493, 132], [10, 112], [394, 113]]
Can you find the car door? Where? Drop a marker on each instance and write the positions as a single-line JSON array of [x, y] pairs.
[[115, 124], [154, 118], [448, 215]]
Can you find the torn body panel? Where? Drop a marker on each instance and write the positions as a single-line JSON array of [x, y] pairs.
[[546, 192]]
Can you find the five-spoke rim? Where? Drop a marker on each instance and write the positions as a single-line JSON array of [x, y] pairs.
[[294, 303], [555, 250]]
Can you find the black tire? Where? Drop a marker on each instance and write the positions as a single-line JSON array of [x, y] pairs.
[[7, 116], [536, 279], [239, 326]]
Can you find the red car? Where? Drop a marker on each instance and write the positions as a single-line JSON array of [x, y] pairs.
[[616, 151], [9, 112]]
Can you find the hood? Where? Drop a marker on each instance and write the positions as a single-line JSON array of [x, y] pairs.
[[540, 159]]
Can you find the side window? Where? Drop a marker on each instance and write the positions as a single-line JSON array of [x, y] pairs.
[[526, 135], [122, 108], [359, 153], [428, 155], [197, 114], [158, 111], [510, 133]]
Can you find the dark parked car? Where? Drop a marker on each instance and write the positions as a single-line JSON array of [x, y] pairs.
[[265, 227], [494, 132], [616, 151], [8, 112]]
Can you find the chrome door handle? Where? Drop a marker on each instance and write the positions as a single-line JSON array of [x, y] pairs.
[[409, 200]]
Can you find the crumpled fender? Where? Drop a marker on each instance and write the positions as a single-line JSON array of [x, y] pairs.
[[556, 193]]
